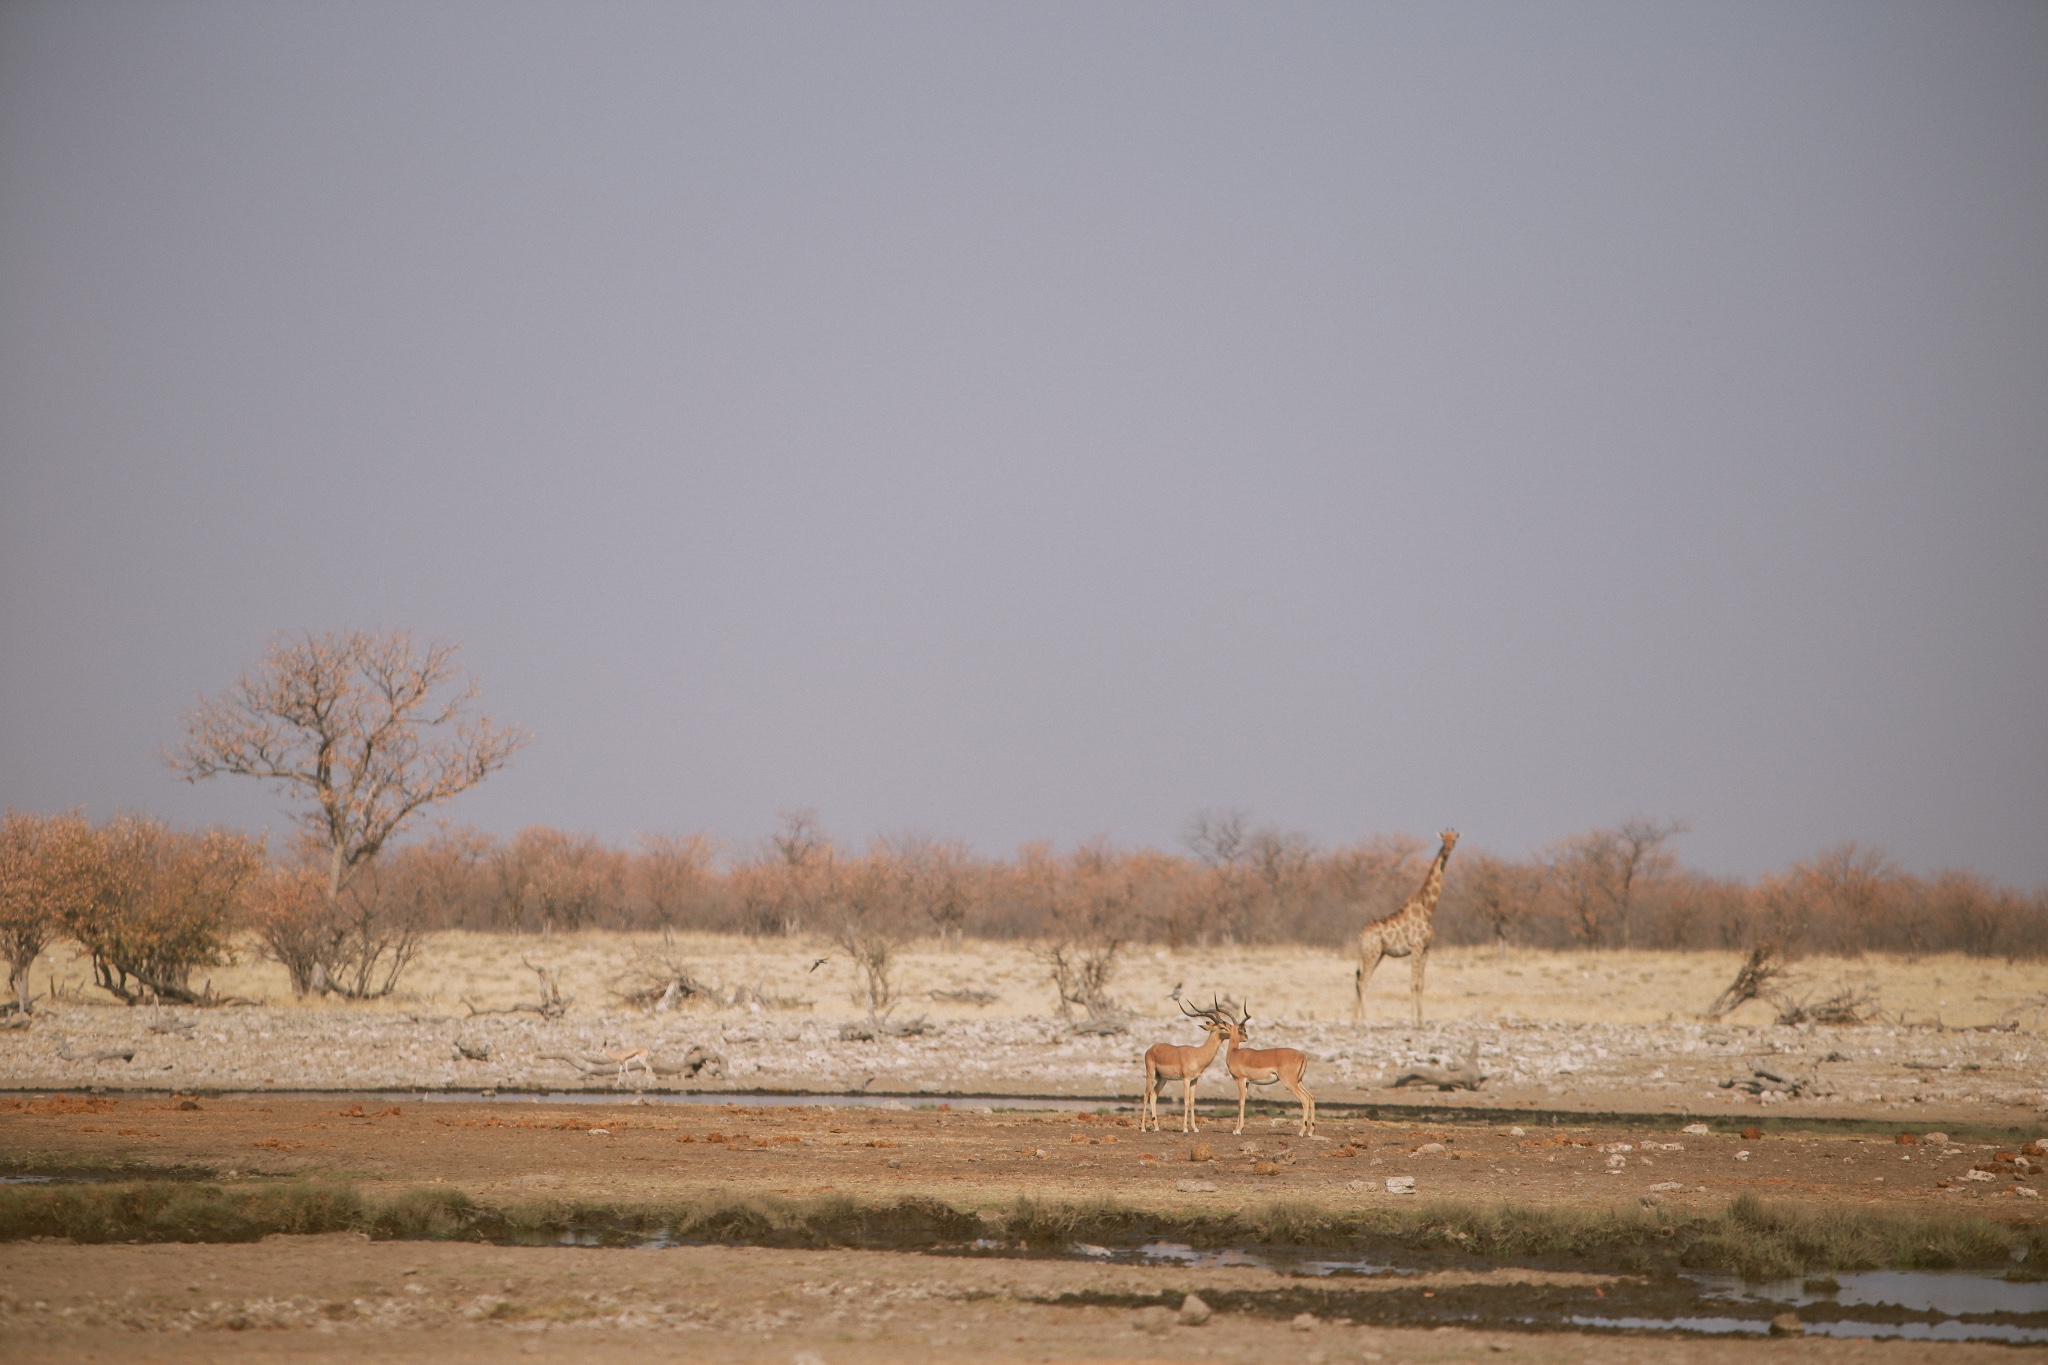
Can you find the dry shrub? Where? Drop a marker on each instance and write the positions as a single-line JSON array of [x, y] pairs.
[[46, 864], [163, 904]]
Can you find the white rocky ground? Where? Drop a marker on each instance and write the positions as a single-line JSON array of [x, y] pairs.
[[1674, 1066]]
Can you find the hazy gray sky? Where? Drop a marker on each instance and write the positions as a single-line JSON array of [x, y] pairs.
[[1040, 421]]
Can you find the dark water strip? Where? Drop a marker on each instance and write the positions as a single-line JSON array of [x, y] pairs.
[[1378, 1110]]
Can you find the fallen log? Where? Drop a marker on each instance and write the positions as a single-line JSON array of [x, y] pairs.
[[697, 1063], [1462, 1074]]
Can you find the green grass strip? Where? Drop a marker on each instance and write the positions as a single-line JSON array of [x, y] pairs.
[[1747, 1236]]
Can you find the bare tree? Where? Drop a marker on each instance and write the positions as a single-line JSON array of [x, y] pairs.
[[550, 880], [672, 874], [1600, 873], [784, 887], [287, 907], [1499, 893], [869, 922], [1219, 838], [1090, 906], [368, 730], [1639, 856], [935, 878]]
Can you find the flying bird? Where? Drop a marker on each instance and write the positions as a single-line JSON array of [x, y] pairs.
[[819, 963]]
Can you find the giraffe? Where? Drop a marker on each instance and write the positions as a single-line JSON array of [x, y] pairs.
[[1405, 933]]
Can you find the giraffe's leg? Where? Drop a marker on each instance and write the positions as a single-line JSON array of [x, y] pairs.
[[1415, 981], [1367, 965]]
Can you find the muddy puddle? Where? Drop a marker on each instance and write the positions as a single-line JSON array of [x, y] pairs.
[[966, 1104], [1908, 1305], [1953, 1306]]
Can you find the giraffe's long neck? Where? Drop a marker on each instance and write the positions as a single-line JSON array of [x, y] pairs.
[[1423, 903]]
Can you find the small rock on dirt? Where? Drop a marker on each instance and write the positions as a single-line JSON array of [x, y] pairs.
[[1195, 1186], [1934, 1139], [1304, 1322], [1193, 1312], [1400, 1184], [1787, 1325], [1696, 1129], [1154, 1320]]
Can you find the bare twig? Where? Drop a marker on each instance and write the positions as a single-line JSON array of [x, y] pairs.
[[1750, 982]]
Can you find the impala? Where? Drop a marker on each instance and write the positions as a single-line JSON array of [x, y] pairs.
[[1168, 1061], [1264, 1065]]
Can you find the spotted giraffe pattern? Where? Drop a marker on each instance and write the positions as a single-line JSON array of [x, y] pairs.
[[1405, 933]]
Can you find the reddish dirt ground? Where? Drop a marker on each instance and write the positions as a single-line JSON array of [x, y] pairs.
[[315, 1298], [626, 1152]]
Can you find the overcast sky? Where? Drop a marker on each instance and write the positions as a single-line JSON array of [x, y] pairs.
[[1042, 421]]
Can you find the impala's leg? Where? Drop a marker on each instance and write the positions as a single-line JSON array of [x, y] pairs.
[[1415, 981], [1188, 1123], [1243, 1085], [1308, 1105], [1146, 1106]]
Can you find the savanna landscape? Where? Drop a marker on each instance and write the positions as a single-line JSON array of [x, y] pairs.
[[1328, 683], [807, 1103]]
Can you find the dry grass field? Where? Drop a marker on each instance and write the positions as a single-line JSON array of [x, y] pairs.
[[1295, 984]]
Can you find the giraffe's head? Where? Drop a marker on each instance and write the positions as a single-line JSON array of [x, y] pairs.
[[1450, 838]]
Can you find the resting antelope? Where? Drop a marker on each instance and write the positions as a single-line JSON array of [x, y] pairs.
[[1168, 1061], [1264, 1065]]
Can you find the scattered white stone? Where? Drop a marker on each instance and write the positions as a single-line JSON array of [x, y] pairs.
[[1516, 1131], [1193, 1312], [1430, 1149], [1195, 1186], [1977, 1175], [600, 1132], [2025, 1193], [1668, 1186], [1304, 1322], [1696, 1129], [1934, 1139], [1742, 1156], [1400, 1184]]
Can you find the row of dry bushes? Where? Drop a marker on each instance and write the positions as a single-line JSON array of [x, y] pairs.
[[152, 905], [1621, 887]]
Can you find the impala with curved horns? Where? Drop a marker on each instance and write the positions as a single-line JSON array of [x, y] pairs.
[[1168, 1061], [1265, 1065]]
